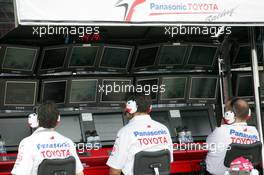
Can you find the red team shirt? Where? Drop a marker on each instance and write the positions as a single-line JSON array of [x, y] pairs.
[[140, 134], [43, 144], [219, 140]]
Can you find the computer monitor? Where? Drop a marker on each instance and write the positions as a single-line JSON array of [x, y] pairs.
[[54, 90], [242, 56], [150, 86], [203, 88], [200, 122], [19, 59], [19, 93], [164, 118], [202, 56], [146, 56], [172, 55], [107, 125], [115, 91], [70, 126], [175, 89], [53, 59], [83, 56], [83, 92], [13, 130], [244, 86], [116, 57]]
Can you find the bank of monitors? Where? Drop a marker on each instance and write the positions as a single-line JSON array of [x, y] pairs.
[[172, 55], [107, 125], [199, 120], [18, 59], [149, 86], [145, 57], [243, 85], [18, 93], [54, 90], [53, 59], [175, 89], [14, 129], [83, 57], [113, 91], [202, 56], [203, 88], [116, 58], [70, 126], [83, 92]]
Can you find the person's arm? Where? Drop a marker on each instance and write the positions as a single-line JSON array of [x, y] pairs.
[[113, 171]]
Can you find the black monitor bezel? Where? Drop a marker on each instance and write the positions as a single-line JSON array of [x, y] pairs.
[[114, 69], [175, 100], [43, 81], [196, 66], [57, 69], [144, 68], [111, 103], [203, 100], [169, 66], [237, 65], [82, 104], [83, 68], [238, 77], [3, 50], [4, 82]]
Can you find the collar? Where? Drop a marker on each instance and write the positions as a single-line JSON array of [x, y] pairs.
[[140, 118], [41, 129], [240, 124]]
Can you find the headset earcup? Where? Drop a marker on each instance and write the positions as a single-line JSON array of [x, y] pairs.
[[229, 117], [33, 120], [131, 106], [249, 114], [149, 109]]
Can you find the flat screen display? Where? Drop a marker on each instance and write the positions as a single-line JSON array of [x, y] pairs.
[[83, 90], [115, 57], [245, 86], [19, 58], [20, 93], [83, 56], [243, 55], [53, 58], [54, 91], [146, 57], [203, 87], [172, 55], [149, 86], [175, 88]]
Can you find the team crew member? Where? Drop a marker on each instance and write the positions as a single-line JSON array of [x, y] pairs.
[[235, 132], [140, 134], [44, 143]]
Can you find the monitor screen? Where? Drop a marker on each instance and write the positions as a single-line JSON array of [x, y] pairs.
[[115, 57], [203, 88], [14, 129], [175, 88], [53, 58], [162, 117], [70, 127], [107, 125], [115, 90], [146, 57], [54, 91], [245, 86], [83, 56], [202, 56], [243, 56], [172, 55], [83, 90], [19, 58], [149, 86], [198, 122], [20, 93]]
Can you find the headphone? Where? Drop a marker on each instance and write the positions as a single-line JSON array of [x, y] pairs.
[[230, 116], [132, 107]]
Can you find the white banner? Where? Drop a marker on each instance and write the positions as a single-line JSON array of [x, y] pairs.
[[136, 12]]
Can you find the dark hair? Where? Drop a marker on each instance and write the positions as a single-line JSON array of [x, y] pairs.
[[48, 115], [240, 108], [143, 101]]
